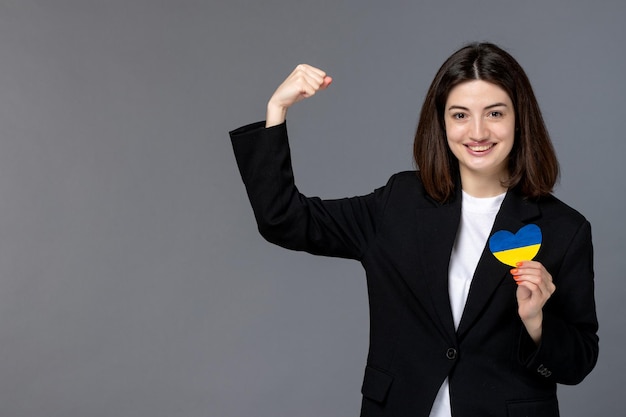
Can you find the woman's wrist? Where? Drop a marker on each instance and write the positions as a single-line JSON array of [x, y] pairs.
[[275, 115], [534, 327]]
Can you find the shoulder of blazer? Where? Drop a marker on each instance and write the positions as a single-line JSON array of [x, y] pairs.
[[408, 185], [552, 206], [546, 210]]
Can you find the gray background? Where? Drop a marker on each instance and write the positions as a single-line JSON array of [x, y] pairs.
[[132, 279]]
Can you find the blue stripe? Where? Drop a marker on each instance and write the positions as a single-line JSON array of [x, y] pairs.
[[505, 240]]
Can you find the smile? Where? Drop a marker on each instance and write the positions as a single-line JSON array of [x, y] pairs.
[[480, 148]]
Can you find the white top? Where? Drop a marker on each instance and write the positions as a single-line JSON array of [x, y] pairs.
[[477, 217]]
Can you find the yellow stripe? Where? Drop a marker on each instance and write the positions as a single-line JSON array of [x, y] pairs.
[[513, 256]]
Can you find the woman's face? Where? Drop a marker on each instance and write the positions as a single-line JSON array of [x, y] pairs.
[[480, 128]]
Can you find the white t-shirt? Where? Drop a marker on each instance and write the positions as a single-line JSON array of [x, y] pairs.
[[477, 217]]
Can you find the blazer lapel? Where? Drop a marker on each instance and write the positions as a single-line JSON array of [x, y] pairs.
[[514, 213], [436, 230]]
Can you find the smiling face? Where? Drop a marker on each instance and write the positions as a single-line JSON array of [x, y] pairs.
[[480, 129]]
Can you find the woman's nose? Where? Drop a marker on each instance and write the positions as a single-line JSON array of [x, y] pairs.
[[478, 130]]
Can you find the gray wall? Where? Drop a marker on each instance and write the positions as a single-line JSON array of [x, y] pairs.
[[132, 279]]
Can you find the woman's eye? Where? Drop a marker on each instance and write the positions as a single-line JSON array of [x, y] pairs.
[[495, 114], [458, 116]]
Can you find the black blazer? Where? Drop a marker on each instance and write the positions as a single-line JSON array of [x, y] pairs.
[[403, 239]]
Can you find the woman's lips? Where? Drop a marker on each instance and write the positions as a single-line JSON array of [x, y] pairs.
[[480, 148]]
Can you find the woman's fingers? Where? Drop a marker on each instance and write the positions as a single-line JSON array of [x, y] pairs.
[[311, 79], [327, 81], [534, 272], [303, 82]]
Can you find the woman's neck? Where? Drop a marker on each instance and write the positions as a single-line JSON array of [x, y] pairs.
[[483, 186]]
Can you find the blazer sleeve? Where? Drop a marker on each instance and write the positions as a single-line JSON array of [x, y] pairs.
[[340, 228], [569, 346]]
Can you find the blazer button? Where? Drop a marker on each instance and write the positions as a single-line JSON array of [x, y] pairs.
[[451, 353]]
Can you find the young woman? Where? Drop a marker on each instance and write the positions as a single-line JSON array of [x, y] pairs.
[[480, 281]]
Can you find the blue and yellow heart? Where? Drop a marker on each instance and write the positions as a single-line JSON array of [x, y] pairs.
[[511, 248]]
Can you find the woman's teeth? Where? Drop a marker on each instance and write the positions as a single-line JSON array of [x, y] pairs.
[[480, 148]]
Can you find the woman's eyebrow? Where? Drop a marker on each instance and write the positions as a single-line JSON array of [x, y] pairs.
[[496, 105], [457, 107]]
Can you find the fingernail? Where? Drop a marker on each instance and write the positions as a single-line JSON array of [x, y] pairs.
[[519, 263], [514, 271]]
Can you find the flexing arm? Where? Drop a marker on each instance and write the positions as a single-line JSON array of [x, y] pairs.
[[341, 227]]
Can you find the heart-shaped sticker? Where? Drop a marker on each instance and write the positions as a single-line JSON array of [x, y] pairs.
[[511, 248]]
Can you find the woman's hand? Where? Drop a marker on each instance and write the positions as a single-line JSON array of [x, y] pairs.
[[534, 289], [302, 83]]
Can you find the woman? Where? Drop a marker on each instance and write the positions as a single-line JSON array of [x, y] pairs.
[[454, 331]]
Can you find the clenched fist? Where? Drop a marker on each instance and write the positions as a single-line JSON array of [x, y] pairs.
[[302, 83]]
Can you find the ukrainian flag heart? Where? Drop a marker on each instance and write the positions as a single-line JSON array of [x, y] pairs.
[[511, 248]]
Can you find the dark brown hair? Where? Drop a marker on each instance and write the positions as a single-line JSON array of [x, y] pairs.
[[533, 166]]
